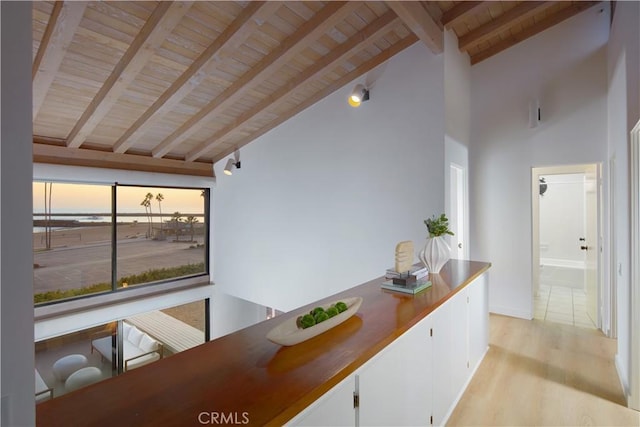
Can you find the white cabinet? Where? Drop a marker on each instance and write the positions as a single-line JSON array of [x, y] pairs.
[[441, 362], [334, 408], [394, 386], [478, 320], [458, 333], [418, 378], [460, 340]]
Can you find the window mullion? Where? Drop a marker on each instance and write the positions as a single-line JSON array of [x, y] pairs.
[[114, 241]]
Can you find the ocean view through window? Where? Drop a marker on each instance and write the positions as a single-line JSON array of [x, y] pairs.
[[92, 239]]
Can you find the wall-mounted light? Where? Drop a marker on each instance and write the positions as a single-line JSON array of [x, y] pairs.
[[358, 95], [231, 163], [543, 186]]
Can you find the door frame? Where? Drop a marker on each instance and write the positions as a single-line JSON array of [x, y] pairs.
[[536, 173], [633, 400], [464, 198]]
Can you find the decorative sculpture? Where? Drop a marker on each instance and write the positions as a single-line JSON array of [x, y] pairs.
[[404, 256]]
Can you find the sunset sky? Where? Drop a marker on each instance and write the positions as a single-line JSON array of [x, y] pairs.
[[97, 198]]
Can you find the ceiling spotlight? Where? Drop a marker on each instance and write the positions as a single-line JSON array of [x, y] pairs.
[[358, 95], [231, 163]]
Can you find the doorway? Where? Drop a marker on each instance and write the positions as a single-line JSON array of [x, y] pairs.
[[566, 241], [457, 211]]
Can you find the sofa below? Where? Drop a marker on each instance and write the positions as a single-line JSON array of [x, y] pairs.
[[138, 347]]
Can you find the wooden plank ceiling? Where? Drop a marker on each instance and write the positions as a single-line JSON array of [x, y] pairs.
[[177, 86]]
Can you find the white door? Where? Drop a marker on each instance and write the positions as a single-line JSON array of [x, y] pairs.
[[590, 245], [334, 408], [395, 386], [457, 208]]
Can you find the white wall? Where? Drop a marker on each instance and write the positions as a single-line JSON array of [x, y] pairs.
[[229, 314], [457, 89], [16, 268], [562, 221], [570, 80], [321, 201], [623, 113]]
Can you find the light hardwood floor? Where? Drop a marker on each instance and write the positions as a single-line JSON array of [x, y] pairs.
[[544, 374]]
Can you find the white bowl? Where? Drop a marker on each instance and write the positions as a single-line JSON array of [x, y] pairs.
[[288, 333]]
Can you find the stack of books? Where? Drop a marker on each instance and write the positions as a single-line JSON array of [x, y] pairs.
[[416, 271], [408, 282], [412, 288]]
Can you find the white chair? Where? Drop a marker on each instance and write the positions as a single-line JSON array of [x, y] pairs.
[[83, 377], [67, 365]]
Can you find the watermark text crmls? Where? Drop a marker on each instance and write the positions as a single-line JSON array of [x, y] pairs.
[[223, 418]]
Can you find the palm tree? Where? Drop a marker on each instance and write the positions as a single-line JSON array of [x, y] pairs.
[[160, 198], [146, 202], [191, 220], [176, 219]]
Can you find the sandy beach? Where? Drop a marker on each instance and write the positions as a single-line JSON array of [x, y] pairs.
[[81, 256], [89, 234]]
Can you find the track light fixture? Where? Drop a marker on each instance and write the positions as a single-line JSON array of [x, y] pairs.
[[231, 163], [358, 95]]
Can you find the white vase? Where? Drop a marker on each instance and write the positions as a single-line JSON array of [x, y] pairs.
[[435, 254]]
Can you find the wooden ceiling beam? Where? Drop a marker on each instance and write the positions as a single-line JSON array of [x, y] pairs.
[[531, 31], [62, 25], [368, 36], [320, 23], [46, 38], [61, 155], [160, 24], [251, 17], [492, 28], [316, 97], [462, 11], [418, 20]]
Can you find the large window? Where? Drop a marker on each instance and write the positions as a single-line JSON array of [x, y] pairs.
[[91, 239], [75, 360]]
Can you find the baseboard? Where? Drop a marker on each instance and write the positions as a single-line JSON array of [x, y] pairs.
[[507, 311], [562, 263], [621, 377]]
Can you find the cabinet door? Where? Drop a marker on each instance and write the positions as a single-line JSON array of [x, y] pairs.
[[334, 408], [441, 352], [395, 386], [478, 320], [459, 337]]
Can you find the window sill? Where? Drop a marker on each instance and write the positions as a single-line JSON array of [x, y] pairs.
[[130, 295]]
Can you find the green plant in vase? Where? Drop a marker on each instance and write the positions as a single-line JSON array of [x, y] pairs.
[[438, 226], [436, 251]]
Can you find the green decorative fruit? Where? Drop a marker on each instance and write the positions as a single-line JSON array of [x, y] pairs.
[[332, 311], [341, 306], [317, 310], [307, 321], [321, 317]]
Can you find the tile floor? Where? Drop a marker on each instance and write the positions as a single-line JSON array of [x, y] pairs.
[[562, 304]]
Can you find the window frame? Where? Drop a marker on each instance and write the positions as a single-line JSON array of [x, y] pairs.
[[117, 295]]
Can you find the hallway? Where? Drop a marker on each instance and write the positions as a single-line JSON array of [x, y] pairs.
[[544, 374], [562, 304]]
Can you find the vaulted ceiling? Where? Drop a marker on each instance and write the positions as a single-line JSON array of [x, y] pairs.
[[176, 86]]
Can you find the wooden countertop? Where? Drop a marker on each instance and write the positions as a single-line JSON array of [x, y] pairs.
[[247, 377]]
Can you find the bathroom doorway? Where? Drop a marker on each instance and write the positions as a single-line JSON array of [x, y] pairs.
[[566, 242]]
